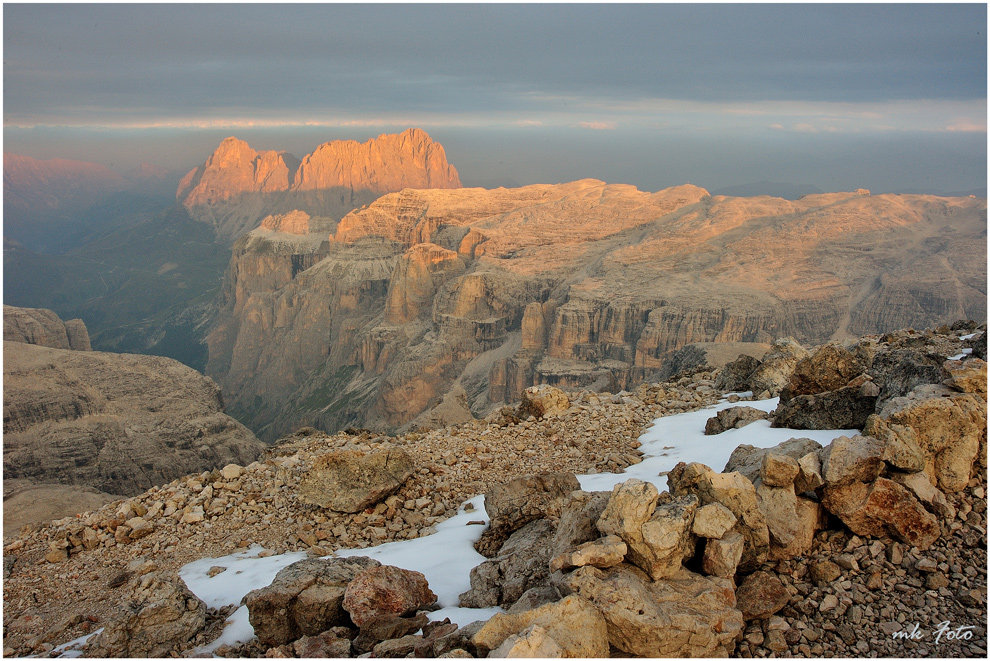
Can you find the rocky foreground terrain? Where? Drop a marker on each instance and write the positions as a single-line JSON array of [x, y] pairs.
[[83, 427], [433, 306], [863, 547]]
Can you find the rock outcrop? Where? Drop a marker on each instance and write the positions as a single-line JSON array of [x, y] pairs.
[[237, 185], [577, 285], [120, 423], [44, 328]]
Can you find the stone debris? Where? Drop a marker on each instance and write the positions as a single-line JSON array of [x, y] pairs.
[[834, 550]]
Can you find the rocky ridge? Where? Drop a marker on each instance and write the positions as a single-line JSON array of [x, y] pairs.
[[237, 185], [91, 424], [833, 592], [44, 328], [426, 294]]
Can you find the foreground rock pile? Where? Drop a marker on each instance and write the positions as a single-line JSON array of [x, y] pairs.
[[863, 547]]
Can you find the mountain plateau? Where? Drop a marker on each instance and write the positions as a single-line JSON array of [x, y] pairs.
[[457, 300]]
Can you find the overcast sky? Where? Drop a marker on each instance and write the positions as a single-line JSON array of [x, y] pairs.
[[889, 96]]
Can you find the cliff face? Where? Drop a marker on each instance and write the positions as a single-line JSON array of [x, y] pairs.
[[238, 185], [117, 423], [580, 285]]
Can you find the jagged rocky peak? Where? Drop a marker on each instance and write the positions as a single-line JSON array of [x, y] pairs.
[[237, 186], [387, 163], [44, 328]]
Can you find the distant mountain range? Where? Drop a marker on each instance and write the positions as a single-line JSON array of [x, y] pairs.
[[366, 288]]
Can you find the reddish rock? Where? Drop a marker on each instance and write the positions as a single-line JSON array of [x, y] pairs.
[[761, 595], [883, 508], [386, 590]]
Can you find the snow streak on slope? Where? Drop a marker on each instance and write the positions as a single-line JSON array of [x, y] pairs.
[[447, 557]]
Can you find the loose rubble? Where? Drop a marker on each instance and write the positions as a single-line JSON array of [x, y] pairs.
[[874, 545]]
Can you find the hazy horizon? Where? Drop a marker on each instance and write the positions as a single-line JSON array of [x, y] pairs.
[[885, 97]]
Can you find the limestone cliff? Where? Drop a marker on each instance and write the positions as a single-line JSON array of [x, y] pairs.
[[45, 328], [118, 423], [237, 185], [580, 285]]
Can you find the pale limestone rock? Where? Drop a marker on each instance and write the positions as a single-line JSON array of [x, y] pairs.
[[713, 521], [573, 623], [531, 643], [846, 460], [949, 427], [737, 494], [350, 481], [811, 517], [722, 556], [605, 552], [683, 615], [900, 449], [543, 401], [810, 476], [779, 507], [778, 470], [160, 617], [933, 499]]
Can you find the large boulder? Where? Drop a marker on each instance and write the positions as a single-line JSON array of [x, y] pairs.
[[522, 563], [512, 505], [831, 367], [350, 481], [899, 371], [846, 460], [305, 598], [900, 444], [658, 537], [950, 428], [573, 623], [721, 556], [733, 418], [735, 376], [844, 408], [579, 520], [737, 494], [160, 617], [748, 459], [882, 508], [774, 372], [386, 590], [543, 401], [684, 615]]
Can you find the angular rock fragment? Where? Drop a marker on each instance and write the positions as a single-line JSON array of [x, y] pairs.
[[722, 556], [882, 508], [761, 595], [305, 598], [160, 617], [512, 505], [573, 623], [737, 494], [386, 590], [713, 521], [685, 615], [350, 481], [733, 418]]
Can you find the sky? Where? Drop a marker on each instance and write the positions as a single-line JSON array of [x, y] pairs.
[[838, 96]]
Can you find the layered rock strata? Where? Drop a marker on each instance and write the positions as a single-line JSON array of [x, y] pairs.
[[578, 285], [118, 423]]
